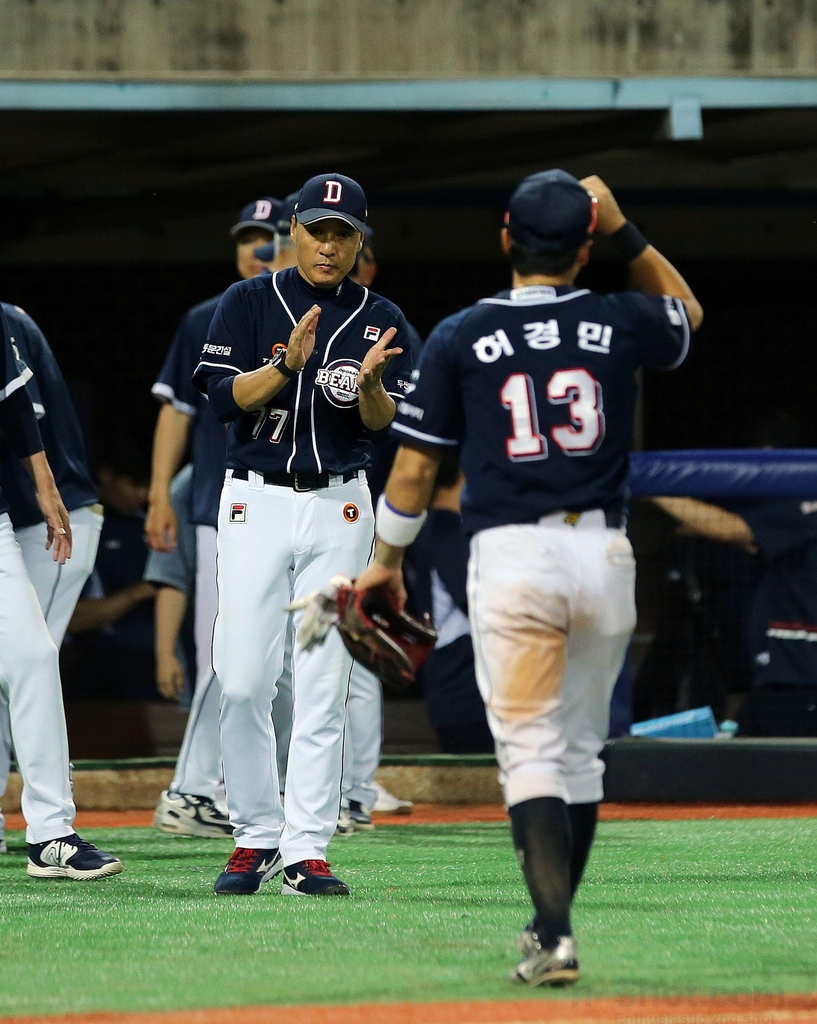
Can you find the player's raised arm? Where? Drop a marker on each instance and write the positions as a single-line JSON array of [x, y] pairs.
[[652, 272]]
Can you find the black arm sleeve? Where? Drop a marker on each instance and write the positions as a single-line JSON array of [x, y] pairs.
[[19, 424]]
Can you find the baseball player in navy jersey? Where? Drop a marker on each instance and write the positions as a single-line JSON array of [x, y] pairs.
[[535, 389], [299, 364], [29, 668], [57, 586], [193, 805]]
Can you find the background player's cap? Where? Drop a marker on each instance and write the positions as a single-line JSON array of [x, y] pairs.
[[332, 195], [551, 212], [267, 253], [263, 214]]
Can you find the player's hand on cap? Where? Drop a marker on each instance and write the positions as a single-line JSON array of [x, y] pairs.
[[302, 340], [375, 362], [610, 217], [57, 520], [161, 526], [379, 576]]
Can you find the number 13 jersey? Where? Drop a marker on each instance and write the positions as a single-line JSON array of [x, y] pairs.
[[536, 389]]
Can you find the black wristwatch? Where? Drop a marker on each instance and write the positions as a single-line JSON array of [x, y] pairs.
[[279, 363]]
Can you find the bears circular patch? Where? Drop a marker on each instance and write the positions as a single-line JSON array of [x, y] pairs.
[[339, 382], [351, 513]]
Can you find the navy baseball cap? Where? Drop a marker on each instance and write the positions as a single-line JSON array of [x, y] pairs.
[[266, 253], [551, 212], [332, 195], [263, 214]]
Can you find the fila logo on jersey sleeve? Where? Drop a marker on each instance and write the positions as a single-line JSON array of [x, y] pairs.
[[238, 513], [263, 209], [371, 334], [334, 192]]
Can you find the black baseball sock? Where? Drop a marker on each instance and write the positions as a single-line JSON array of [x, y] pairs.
[[541, 835], [583, 818]]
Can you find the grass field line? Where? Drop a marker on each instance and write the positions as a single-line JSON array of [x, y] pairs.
[[443, 814], [754, 1009]]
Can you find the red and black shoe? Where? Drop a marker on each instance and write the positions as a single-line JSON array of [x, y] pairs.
[[312, 878], [246, 871]]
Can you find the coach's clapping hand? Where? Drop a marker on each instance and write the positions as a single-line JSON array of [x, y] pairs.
[[375, 362], [302, 340]]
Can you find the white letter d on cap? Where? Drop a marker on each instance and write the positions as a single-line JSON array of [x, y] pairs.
[[263, 208], [334, 191]]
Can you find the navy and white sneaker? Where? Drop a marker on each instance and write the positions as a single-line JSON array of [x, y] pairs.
[[185, 814], [247, 870], [361, 818], [70, 857], [312, 878]]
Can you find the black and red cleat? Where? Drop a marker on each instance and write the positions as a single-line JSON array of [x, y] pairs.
[[312, 878], [246, 870]]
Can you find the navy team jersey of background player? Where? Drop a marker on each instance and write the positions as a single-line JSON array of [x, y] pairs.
[[520, 385], [59, 427], [784, 606], [209, 440], [313, 424], [13, 376]]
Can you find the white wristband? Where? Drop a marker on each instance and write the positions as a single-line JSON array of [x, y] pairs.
[[397, 528]]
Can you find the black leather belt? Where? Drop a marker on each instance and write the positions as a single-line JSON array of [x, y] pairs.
[[298, 481]]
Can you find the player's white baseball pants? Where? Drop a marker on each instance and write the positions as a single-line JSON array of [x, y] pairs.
[[58, 588], [198, 767], [363, 738], [552, 610], [30, 681], [276, 544]]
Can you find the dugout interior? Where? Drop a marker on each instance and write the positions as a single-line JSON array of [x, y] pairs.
[[115, 222]]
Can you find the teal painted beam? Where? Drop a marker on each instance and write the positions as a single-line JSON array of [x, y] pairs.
[[499, 94]]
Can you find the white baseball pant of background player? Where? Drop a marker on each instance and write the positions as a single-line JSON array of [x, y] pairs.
[[198, 767], [58, 588], [279, 544], [363, 738], [29, 671], [539, 594]]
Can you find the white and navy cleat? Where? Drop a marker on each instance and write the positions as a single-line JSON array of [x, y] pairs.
[[70, 857], [543, 966], [247, 870], [312, 878], [184, 814]]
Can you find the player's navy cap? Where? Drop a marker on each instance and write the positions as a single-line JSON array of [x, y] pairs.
[[286, 213], [263, 214], [332, 195], [551, 212], [266, 253]]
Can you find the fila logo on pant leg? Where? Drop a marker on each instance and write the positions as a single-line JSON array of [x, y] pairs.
[[238, 513]]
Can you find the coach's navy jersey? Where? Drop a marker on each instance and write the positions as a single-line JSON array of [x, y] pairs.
[[61, 433], [13, 375], [536, 389], [313, 424], [175, 384]]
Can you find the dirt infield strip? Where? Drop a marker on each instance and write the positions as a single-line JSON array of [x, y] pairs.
[[700, 1010], [441, 814]]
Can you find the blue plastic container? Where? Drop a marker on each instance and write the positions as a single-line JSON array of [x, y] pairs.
[[698, 723]]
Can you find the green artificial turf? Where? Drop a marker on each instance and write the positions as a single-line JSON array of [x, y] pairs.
[[667, 908]]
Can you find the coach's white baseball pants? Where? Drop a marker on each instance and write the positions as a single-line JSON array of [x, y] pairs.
[[276, 544], [30, 681], [552, 611]]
